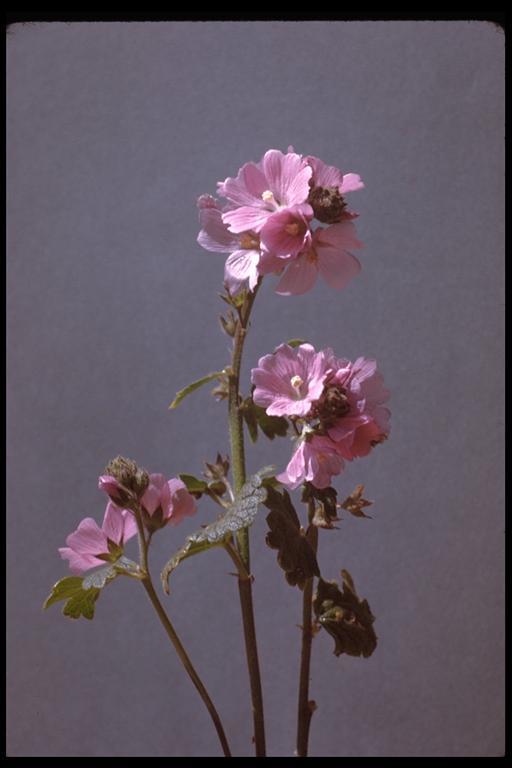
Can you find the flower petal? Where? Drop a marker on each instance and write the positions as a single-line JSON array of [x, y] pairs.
[[300, 277], [215, 235], [88, 539], [247, 188], [246, 218], [351, 183], [337, 267], [113, 523], [79, 563], [287, 176]]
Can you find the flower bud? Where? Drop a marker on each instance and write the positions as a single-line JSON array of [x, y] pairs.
[[123, 481], [328, 204]]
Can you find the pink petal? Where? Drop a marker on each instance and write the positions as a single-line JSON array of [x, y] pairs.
[[130, 525], [240, 266], [287, 176], [324, 175], [247, 188], [183, 503], [337, 267], [341, 236], [246, 218], [207, 201], [351, 183], [113, 523], [269, 263], [88, 539], [79, 564], [294, 473], [299, 277], [156, 494], [214, 235]]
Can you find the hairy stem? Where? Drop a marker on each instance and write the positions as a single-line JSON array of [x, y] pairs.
[[306, 708], [147, 583], [236, 433]]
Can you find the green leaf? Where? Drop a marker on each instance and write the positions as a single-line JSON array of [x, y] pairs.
[[255, 417], [194, 484], [238, 515], [250, 419], [82, 604], [296, 342], [345, 617], [81, 594], [295, 554], [79, 601], [63, 589], [182, 394]]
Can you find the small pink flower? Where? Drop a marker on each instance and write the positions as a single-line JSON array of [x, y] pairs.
[[315, 460], [327, 253], [278, 181], [167, 501], [288, 381], [90, 545]]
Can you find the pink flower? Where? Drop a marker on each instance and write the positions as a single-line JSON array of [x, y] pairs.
[[340, 405], [315, 460], [326, 253], [91, 545], [246, 261], [167, 501], [288, 381], [365, 420], [261, 189]]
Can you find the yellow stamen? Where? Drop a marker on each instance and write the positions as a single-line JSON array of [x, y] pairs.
[[296, 382], [267, 196], [249, 241]]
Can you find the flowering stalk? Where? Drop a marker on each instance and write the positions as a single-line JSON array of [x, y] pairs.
[[147, 583], [236, 432], [306, 707]]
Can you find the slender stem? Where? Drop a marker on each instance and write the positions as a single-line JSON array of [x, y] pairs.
[[180, 650], [306, 708], [236, 433], [147, 583]]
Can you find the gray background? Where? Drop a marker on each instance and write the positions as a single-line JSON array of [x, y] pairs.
[[113, 131]]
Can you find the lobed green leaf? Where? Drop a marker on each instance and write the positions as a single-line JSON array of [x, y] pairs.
[[240, 514]]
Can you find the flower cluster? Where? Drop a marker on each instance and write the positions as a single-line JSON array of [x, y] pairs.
[[160, 502], [266, 224], [337, 408]]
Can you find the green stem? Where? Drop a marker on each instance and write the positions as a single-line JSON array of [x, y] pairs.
[[236, 433], [306, 708], [147, 583]]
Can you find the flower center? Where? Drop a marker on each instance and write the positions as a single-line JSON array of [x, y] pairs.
[[267, 196], [332, 405], [248, 241], [327, 203], [296, 383], [292, 229]]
